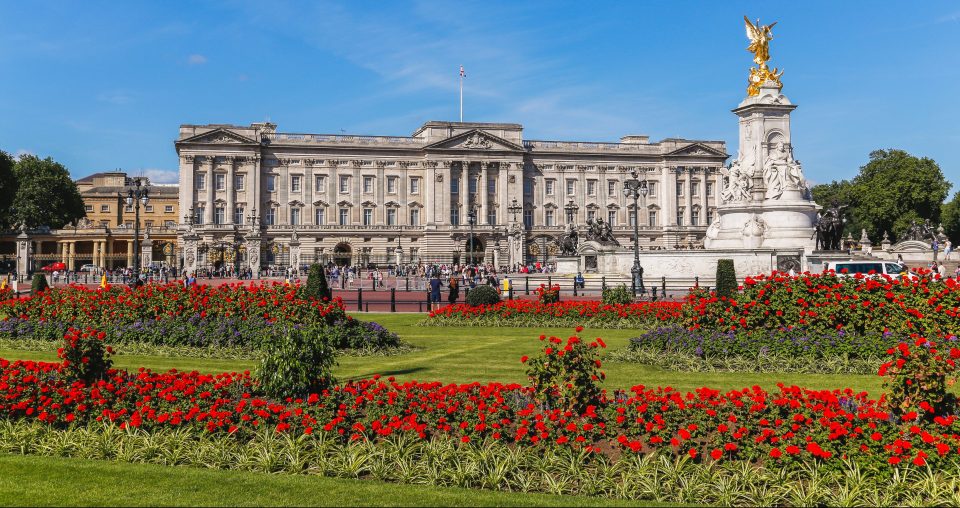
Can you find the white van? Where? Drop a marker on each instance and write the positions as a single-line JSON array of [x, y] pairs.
[[865, 267]]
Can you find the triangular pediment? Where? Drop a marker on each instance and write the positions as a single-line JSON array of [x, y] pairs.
[[219, 136], [694, 149], [477, 140]]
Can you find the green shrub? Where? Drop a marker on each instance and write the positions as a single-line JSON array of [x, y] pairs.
[[296, 363], [567, 375], [483, 295], [619, 295], [726, 278], [39, 283], [317, 286]]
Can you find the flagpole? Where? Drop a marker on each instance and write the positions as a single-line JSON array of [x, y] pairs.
[[461, 94]]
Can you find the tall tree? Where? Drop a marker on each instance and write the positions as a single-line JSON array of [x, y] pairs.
[[8, 188], [950, 217], [46, 195]]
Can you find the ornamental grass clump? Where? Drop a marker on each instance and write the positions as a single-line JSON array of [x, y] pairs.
[[84, 356], [567, 375], [619, 295]]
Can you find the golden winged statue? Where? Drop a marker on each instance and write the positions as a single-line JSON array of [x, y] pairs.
[[760, 37]]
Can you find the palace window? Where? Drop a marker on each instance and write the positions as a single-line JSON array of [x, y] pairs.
[[319, 216], [652, 218], [527, 187], [238, 215], [632, 218], [548, 187], [320, 183], [414, 216], [695, 217], [295, 216], [492, 216], [391, 216], [88, 208], [491, 186], [709, 189], [344, 184], [198, 215], [344, 218], [295, 183], [591, 187], [368, 216], [166, 224], [611, 188], [149, 224], [414, 186], [455, 215], [105, 208], [651, 189], [472, 183], [238, 182], [201, 181], [271, 217], [271, 183], [591, 214], [528, 219], [680, 216], [168, 209], [695, 189], [571, 187], [221, 181], [548, 218], [368, 184], [128, 209], [680, 187], [612, 217], [391, 185], [148, 208], [709, 216], [454, 185]]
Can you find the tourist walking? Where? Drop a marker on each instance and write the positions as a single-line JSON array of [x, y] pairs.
[[454, 293]]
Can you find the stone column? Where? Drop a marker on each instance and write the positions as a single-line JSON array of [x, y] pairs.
[[72, 256], [309, 193], [108, 252], [484, 192], [146, 251], [503, 192], [231, 190], [689, 207], [380, 213], [581, 198], [129, 253], [187, 179], [23, 255], [357, 192], [62, 247], [465, 201], [208, 210]]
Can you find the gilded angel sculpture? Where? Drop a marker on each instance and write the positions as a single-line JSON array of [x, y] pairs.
[[760, 37]]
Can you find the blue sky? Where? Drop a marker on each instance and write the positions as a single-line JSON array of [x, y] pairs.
[[103, 85]]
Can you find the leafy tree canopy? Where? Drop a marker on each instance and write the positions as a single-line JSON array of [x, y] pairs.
[[950, 217], [891, 190], [8, 188], [46, 195]]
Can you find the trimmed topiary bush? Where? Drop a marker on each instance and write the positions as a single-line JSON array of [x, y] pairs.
[[620, 295], [483, 295], [296, 363], [726, 278], [39, 283], [317, 286]]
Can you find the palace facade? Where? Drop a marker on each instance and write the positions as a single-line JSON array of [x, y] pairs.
[[252, 196]]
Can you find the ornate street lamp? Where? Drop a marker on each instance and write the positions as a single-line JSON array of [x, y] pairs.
[[137, 194], [571, 209], [515, 208], [472, 221], [634, 188]]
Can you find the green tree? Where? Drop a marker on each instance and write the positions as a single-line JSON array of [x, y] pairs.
[[726, 278], [317, 283], [46, 195], [950, 217], [895, 188], [8, 188]]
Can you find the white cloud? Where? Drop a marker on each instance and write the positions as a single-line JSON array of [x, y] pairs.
[[196, 59], [161, 175], [118, 97]]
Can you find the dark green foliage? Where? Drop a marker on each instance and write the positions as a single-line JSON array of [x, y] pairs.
[[8, 189], [726, 278], [950, 216], [46, 195], [317, 286], [39, 283], [617, 295], [296, 363], [483, 295]]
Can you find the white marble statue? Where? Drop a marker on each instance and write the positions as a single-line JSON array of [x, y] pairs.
[[781, 172], [737, 184]]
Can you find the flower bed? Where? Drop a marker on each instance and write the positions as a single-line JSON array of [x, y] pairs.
[[226, 316], [563, 314], [781, 427]]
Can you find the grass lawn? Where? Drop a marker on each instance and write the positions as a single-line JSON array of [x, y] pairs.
[[54, 481], [466, 354]]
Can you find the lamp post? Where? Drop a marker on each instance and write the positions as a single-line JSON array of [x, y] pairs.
[[138, 193], [571, 209], [514, 209], [472, 221], [634, 188]]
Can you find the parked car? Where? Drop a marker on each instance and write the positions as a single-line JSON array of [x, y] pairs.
[[54, 267], [88, 268], [851, 268]]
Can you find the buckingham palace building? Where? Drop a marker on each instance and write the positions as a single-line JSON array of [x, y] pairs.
[[452, 192]]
